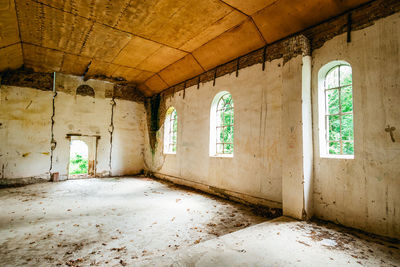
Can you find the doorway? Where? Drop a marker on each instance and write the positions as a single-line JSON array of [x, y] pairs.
[[78, 159], [82, 157]]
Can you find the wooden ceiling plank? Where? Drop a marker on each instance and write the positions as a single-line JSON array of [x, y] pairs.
[[104, 43], [126, 73], [64, 31], [136, 51], [30, 21], [181, 70], [229, 21], [74, 64], [249, 7], [9, 33], [42, 59], [100, 68], [160, 59], [155, 83], [66, 7], [286, 17], [11, 57], [133, 40], [237, 41], [101, 11], [51, 28], [143, 76], [171, 22]]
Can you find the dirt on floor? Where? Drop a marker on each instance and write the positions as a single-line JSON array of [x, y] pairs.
[[287, 242], [110, 222]]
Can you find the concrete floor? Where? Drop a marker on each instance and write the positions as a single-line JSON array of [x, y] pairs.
[[141, 222], [287, 242], [109, 222]]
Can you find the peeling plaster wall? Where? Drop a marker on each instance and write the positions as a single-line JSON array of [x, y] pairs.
[[128, 138], [25, 130], [364, 192], [75, 114], [254, 173], [271, 157], [24, 133], [291, 138]]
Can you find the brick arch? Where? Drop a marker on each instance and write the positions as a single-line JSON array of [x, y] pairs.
[[85, 90]]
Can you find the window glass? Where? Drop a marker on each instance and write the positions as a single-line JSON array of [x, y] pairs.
[[339, 111], [170, 131], [224, 125]]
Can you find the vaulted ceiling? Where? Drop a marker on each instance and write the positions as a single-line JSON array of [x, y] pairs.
[[154, 43]]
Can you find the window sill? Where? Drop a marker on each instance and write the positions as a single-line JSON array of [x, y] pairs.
[[221, 156], [169, 153], [337, 156]]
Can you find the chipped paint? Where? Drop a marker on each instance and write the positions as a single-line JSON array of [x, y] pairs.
[[30, 130]]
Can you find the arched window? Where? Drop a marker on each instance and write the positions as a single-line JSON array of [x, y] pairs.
[[170, 131], [222, 125], [336, 110]]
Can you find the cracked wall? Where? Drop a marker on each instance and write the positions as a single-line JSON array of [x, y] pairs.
[[25, 133], [267, 165], [254, 173], [25, 130]]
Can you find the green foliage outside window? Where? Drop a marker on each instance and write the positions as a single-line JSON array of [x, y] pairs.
[[78, 165], [339, 110], [225, 121], [174, 121], [170, 131]]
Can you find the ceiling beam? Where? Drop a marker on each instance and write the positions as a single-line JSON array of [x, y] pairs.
[[249, 16]]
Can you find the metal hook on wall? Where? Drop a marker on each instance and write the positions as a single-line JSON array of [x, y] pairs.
[[215, 76], [184, 89]]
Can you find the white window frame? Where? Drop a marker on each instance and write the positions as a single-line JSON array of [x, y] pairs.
[[323, 131], [213, 127], [168, 131]]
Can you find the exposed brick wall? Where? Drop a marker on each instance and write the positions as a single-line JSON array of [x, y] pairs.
[[24, 77], [28, 78], [85, 90]]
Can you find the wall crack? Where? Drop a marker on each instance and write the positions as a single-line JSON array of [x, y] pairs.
[[53, 143], [111, 131]]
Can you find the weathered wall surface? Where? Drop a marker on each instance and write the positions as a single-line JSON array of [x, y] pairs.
[[25, 130], [364, 192], [128, 138], [76, 114], [25, 133], [254, 173], [269, 164]]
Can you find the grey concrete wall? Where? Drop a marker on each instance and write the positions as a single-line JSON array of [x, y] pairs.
[[25, 131], [364, 192]]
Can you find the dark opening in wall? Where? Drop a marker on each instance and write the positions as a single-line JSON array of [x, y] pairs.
[[85, 90]]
